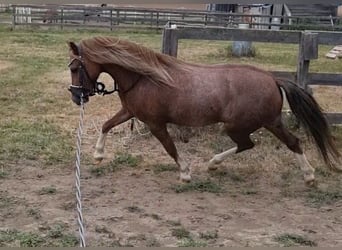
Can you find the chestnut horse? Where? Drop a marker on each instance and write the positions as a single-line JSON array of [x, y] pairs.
[[159, 89]]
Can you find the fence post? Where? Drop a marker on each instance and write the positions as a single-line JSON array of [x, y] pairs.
[[170, 40], [111, 19], [151, 18], [308, 49], [14, 16], [157, 19], [117, 17], [62, 18]]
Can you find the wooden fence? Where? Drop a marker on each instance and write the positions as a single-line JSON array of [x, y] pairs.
[[115, 17], [308, 50]]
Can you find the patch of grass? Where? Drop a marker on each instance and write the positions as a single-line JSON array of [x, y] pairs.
[[20, 239], [323, 171], [159, 168], [102, 229], [58, 236], [125, 160], [3, 174], [56, 231], [174, 223], [230, 174], [33, 141], [289, 175], [67, 240], [34, 212], [55, 237], [336, 131], [6, 201], [98, 171], [289, 240], [180, 233], [199, 186], [189, 242], [318, 197], [135, 209], [152, 242], [48, 191], [209, 235], [186, 239], [219, 145]]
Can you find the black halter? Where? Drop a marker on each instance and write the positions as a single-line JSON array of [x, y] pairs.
[[81, 90]]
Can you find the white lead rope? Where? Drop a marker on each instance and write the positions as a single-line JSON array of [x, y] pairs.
[[78, 178]]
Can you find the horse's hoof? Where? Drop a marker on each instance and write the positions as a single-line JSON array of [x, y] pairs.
[[185, 178]]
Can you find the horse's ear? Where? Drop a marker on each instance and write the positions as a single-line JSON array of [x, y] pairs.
[[73, 47]]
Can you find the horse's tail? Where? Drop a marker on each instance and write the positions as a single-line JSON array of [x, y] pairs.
[[308, 112]]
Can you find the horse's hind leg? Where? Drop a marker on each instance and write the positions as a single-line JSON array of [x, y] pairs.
[[243, 142], [292, 142], [161, 133], [120, 117]]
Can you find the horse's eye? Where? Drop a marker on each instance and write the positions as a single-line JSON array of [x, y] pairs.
[[73, 70]]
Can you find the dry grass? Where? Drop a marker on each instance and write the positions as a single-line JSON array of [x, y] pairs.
[[5, 65], [329, 97]]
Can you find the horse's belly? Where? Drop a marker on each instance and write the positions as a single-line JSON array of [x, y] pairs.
[[198, 116]]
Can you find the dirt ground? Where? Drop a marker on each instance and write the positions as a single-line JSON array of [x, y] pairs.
[[257, 198]]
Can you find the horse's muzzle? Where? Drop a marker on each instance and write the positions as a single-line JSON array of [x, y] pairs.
[[78, 93], [77, 99]]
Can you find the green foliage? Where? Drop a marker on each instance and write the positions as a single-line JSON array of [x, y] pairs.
[[20, 239], [121, 160], [231, 175], [3, 174], [124, 159], [55, 237], [67, 240], [319, 197], [189, 242], [35, 140], [56, 231], [185, 238], [199, 186], [7, 201], [48, 190], [98, 171], [159, 168], [34, 212], [209, 235], [180, 233], [152, 242], [289, 240]]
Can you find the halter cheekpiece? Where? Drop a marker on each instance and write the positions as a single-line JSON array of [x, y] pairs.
[[81, 90]]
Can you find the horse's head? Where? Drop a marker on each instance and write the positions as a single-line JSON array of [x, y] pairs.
[[84, 74]]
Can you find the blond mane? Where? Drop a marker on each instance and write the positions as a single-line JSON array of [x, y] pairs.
[[136, 58]]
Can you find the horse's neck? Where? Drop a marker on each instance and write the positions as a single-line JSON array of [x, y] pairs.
[[124, 78]]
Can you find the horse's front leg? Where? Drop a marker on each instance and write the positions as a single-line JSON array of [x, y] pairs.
[[160, 131], [120, 117]]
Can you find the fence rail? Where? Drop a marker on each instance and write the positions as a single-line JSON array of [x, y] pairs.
[[114, 17]]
